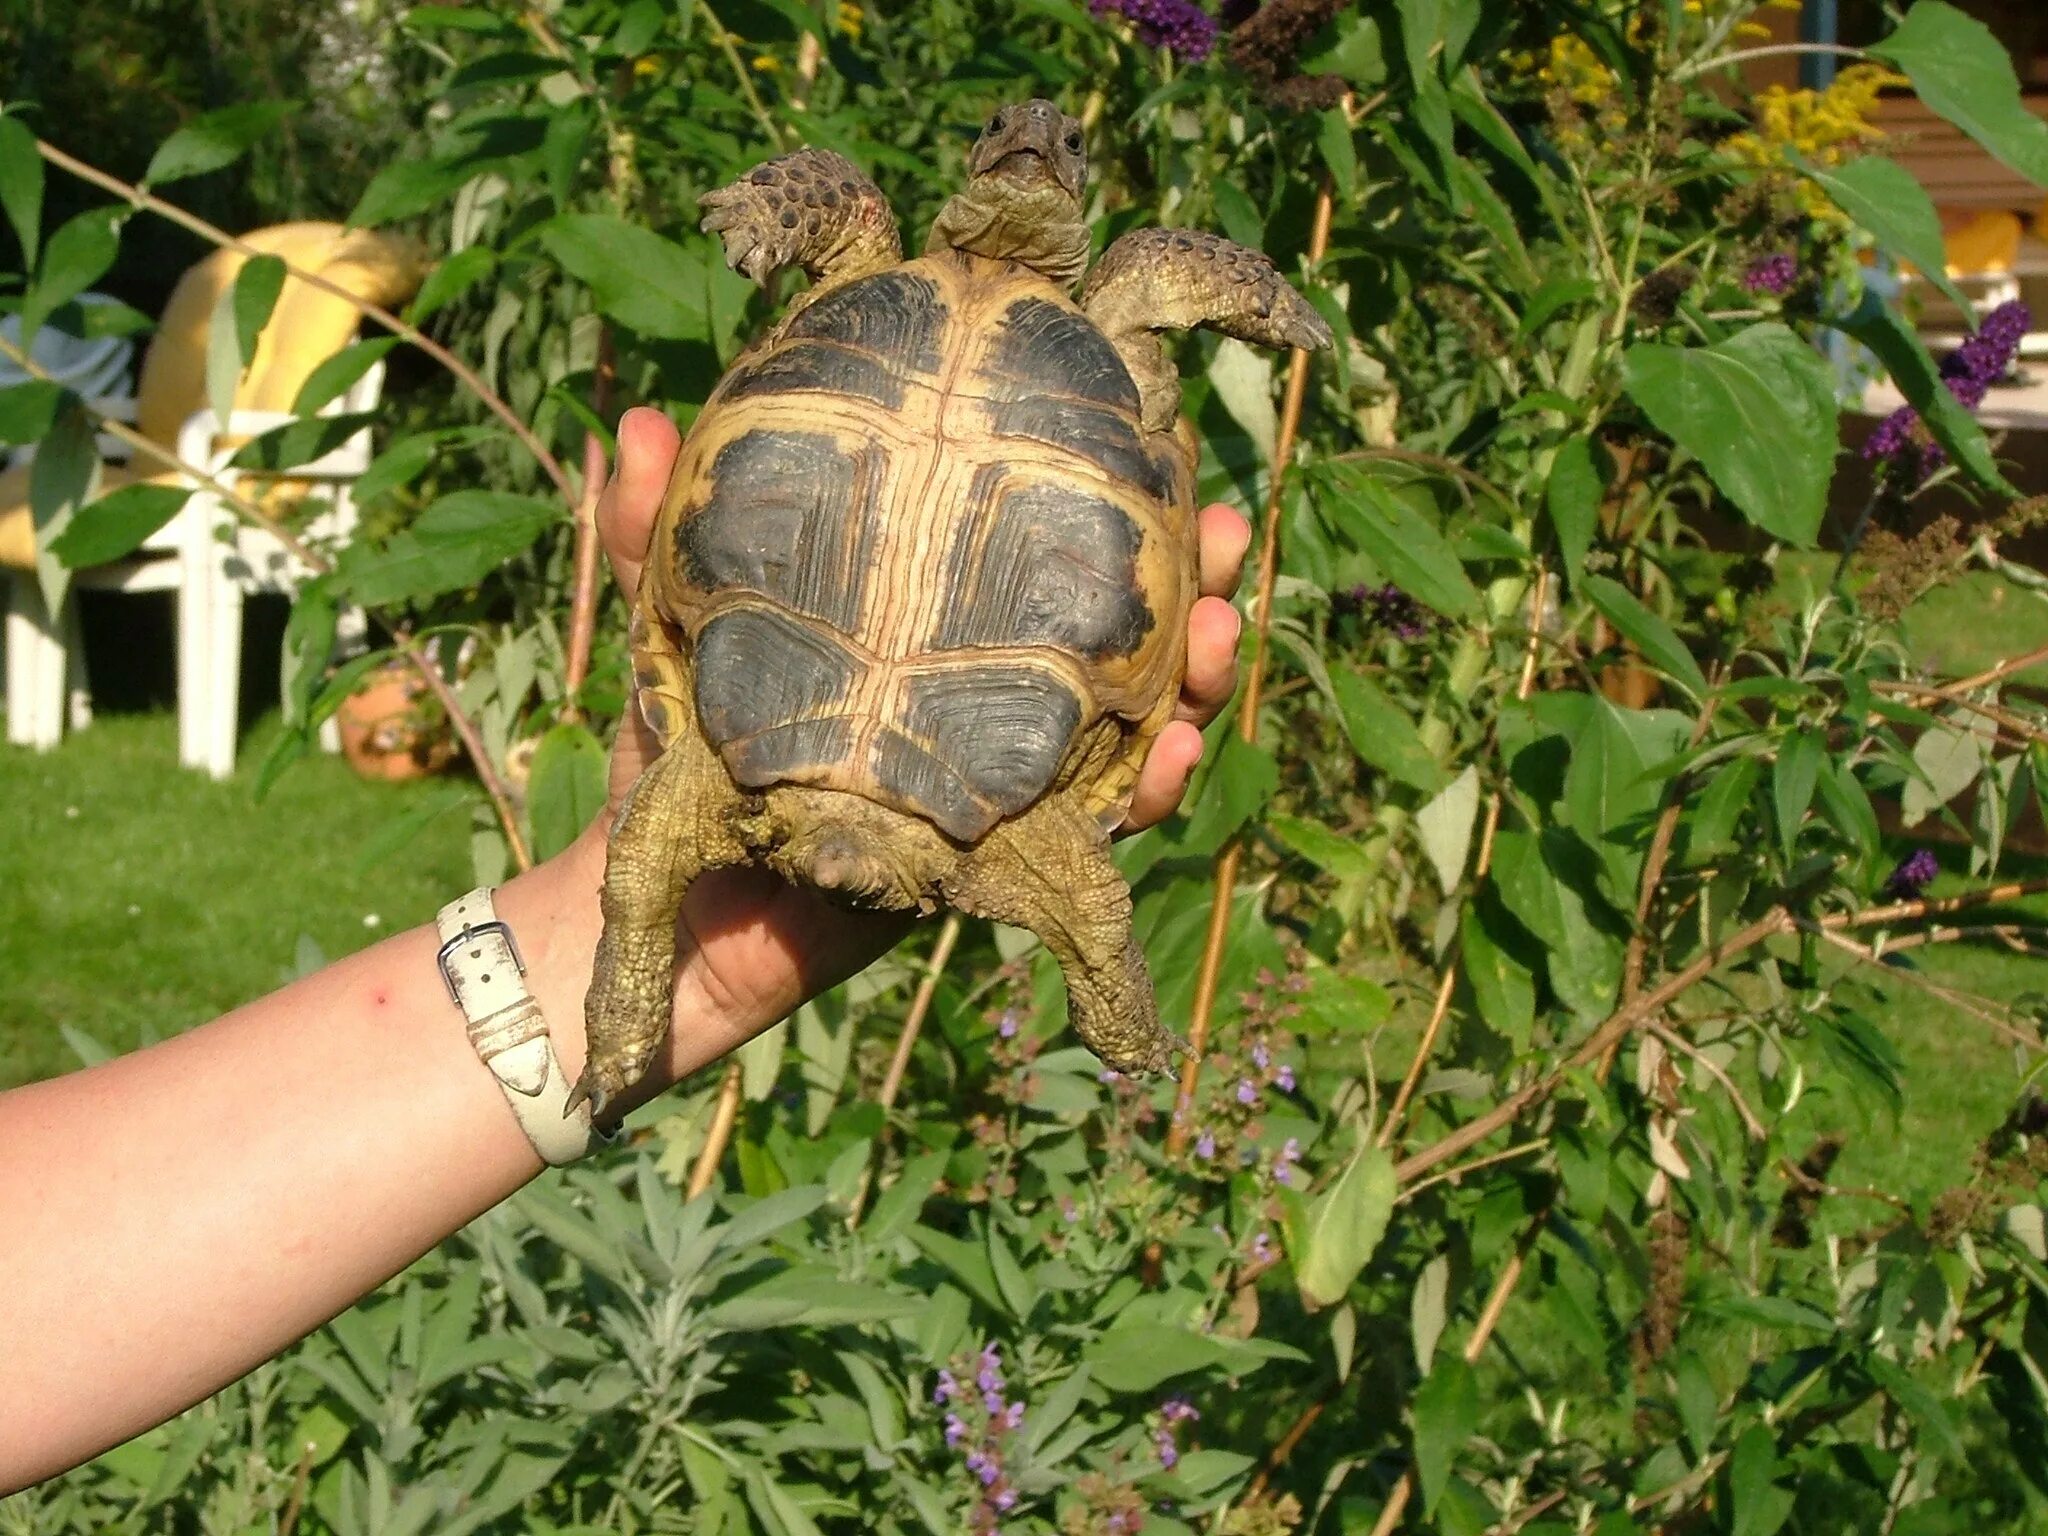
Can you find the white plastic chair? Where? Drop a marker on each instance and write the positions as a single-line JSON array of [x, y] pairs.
[[205, 554]]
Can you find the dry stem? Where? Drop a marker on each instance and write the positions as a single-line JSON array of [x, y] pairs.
[[920, 1005], [1248, 710], [724, 1115]]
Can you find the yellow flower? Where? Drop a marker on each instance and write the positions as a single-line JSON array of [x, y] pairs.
[[849, 18], [1824, 127], [766, 63], [647, 64], [1576, 67]]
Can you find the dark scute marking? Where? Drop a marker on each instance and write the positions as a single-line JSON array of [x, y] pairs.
[[761, 671], [794, 751], [655, 713], [1101, 436], [1043, 349], [912, 779], [895, 315], [985, 742], [790, 516], [1044, 565], [817, 365]]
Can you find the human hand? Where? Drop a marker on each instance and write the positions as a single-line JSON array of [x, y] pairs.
[[752, 946]]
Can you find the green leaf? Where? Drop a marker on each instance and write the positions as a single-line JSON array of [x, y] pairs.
[[1885, 198], [635, 277], [457, 542], [338, 374], [1323, 848], [214, 140], [308, 646], [1340, 154], [1711, 828], [257, 286], [1758, 410], [1382, 732], [1658, 642], [77, 256], [117, 523], [1964, 73], [451, 279], [1760, 1506], [21, 186], [1613, 783], [1137, 1357], [1408, 548], [1919, 1401], [567, 788], [1793, 777], [27, 411], [63, 476], [1446, 1409], [1502, 987], [1572, 497], [1698, 1404], [1444, 827], [1919, 379], [1345, 1224]]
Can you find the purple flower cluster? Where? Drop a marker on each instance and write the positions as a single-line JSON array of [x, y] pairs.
[[1969, 372], [1173, 1413], [1915, 873], [1179, 25], [1772, 274], [1387, 608], [999, 1418]]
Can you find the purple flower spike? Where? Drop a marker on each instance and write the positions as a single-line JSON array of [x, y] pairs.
[[1180, 25], [1178, 1410], [1284, 1078], [984, 1466], [1162, 1442], [1772, 274], [947, 1389], [1008, 1027], [1013, 1416], [1247, 1091], [1205, 1146], [1261, 1057], [956, 1431], [1914, 874], [1006, 1500]]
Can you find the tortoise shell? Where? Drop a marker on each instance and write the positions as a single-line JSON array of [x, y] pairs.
[[919, 547]]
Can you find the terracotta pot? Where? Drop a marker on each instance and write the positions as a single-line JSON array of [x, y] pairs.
[[386, 730]]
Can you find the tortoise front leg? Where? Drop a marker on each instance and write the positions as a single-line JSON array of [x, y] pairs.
[[812, 209], [677, 822], [1155, 280], [1049, 871]]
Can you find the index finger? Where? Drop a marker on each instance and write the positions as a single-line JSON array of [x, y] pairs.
[[648, 443]]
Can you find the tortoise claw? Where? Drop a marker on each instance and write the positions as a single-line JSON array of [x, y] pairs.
[[587, 1090]]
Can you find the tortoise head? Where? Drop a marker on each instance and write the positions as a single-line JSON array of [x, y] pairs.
[[1030, 144]]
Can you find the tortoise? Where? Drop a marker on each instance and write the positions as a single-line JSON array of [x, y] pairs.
[[916, 603]]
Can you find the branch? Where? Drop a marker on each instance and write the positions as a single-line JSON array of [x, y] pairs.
[[1685, 1047], [1616, 1026], [1907, 911], [920, 1005], [724, 1115], [139, 198], [1963, 1002], [1211, 967], [1770, 51]]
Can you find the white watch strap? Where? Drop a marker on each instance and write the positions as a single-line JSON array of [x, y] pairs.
[[487, 979]]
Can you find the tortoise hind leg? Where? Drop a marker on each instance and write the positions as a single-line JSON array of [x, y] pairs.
[[812, 209], [1049, 871], [1155, 280], [678, 821]]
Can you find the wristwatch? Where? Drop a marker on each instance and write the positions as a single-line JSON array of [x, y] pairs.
[[486, 978]]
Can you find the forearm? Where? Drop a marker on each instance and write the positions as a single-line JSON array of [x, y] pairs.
[[172, 1218]]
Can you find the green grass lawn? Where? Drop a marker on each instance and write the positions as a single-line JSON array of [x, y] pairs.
[[138, 898]]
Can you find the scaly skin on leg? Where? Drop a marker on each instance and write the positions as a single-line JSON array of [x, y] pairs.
[[1155, 280], [812, 209], [1049, 871], [677, 822]]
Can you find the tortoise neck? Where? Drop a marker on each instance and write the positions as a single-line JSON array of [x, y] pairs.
[[1037, 227]]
